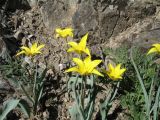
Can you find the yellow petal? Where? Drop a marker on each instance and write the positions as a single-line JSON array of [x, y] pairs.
[[96, 62], [97, 72], [81, 66], [27, 50], [69, 31], [39, 47], [37, 52], [58, 30], [110, 66], [34, 46], [122, 71], [93, 64], [70, 50], [71, 34], [118, 67], [152, 50], [79, 62], [116, 78], [87, 51], [57, 36], [73, 44], [110, 75], [83, 41], [19, 53], [87, 60], [73, 69], [156, 45]]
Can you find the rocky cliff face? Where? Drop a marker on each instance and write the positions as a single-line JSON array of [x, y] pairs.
[[102, 18], [109, 23]]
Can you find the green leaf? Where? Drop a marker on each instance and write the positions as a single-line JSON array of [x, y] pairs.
[[25, 108], [8, 106], [74, 113]]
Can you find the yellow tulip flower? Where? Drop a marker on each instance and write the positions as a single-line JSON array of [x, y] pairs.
[[79, 47], [64, 32], [155, 48], [85, 67], [115, 73], [30, 51]]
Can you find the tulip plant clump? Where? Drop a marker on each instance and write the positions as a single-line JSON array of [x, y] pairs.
[[38, 78], [82, 82], [84, 75], [29, 79]]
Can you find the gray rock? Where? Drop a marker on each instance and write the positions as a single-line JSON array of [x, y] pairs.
[[58, 13], [147, 38], [85, 18], [143, 34]]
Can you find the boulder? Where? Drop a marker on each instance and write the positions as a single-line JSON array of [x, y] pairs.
[[58, 13]]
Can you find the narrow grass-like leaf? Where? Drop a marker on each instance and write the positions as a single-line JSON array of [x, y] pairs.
[[115, 92], [155, 107], [105, 104], [25, 108], [79, 107], [140, 79]]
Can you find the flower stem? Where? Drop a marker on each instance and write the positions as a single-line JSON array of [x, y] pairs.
[[83, 91]]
